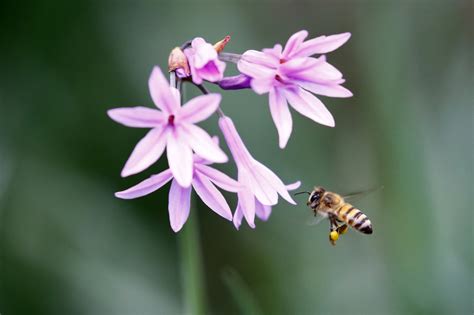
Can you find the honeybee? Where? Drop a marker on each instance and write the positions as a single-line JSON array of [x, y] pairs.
[[341, 214]]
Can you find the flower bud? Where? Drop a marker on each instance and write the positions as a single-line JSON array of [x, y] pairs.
[[219, 46], [178, 62], [237, 82]]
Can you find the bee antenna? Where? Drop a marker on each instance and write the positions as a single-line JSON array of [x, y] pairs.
[[303, 192]]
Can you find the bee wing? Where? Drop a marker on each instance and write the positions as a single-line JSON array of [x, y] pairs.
[[316, 219], [360, 194]]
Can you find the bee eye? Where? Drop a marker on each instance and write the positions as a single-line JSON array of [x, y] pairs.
[[314, 197]]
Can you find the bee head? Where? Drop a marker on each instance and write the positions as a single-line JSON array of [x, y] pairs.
[[315, 197]]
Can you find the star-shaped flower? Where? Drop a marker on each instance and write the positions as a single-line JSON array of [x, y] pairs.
[[173, 128], [260, 186], [261, 211], [288, 74], [204, 180]]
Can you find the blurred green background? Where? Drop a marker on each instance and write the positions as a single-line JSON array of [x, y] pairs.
[[68, 246]]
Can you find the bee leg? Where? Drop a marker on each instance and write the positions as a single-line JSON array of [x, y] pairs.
[[341, 229], [333, 222], [333, 234]]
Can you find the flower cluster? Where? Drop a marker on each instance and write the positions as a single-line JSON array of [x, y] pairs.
[[289, 75]]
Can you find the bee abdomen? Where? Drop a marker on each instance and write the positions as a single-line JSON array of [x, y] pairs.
[[355, 218]]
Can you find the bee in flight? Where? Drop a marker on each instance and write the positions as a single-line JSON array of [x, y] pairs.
[[341, 214]]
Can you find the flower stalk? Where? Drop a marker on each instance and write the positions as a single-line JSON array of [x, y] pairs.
[[192, 280], [229, 57]]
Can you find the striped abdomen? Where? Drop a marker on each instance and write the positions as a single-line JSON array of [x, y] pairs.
[[355, 218]]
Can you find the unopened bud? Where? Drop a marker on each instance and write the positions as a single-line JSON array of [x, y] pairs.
[[237, 82], [219, 46], [178, 62]]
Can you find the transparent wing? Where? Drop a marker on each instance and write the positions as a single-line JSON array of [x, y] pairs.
[[360, 194], [314, 220]]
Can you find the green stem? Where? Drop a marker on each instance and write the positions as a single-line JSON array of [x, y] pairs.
[[205, 91], [229, 57], [192, 268], [192, 279]]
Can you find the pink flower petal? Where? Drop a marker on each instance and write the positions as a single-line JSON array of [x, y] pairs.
[[257, 64], [297, 65], [211, 196], [234, 142], [275, 52], [310, 106], [180, 158], [238, 215], [213, 71], [293, 186], [254, 70], [199, 108], [217, 177], [328, 71], [262, 211], [147, 186], [262, 85], [258, 183], [202, 143], [198, 160], [293, 43], [138, 117], [283, 192], [246, 202], [204, 52], [281, 116], [273, 181], [198, 42], [147, 151], [321, 72], [260, 58], [332, 90], [161, 93], [194, 72], [322, 44], [178, 205]]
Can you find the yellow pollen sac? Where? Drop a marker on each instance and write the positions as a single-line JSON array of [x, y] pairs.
[[333, 236]]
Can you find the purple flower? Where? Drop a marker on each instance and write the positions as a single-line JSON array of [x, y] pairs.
[[261, 211], [204, 179], [260, 186], [288, 74], [203, 62], [173, 127]]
